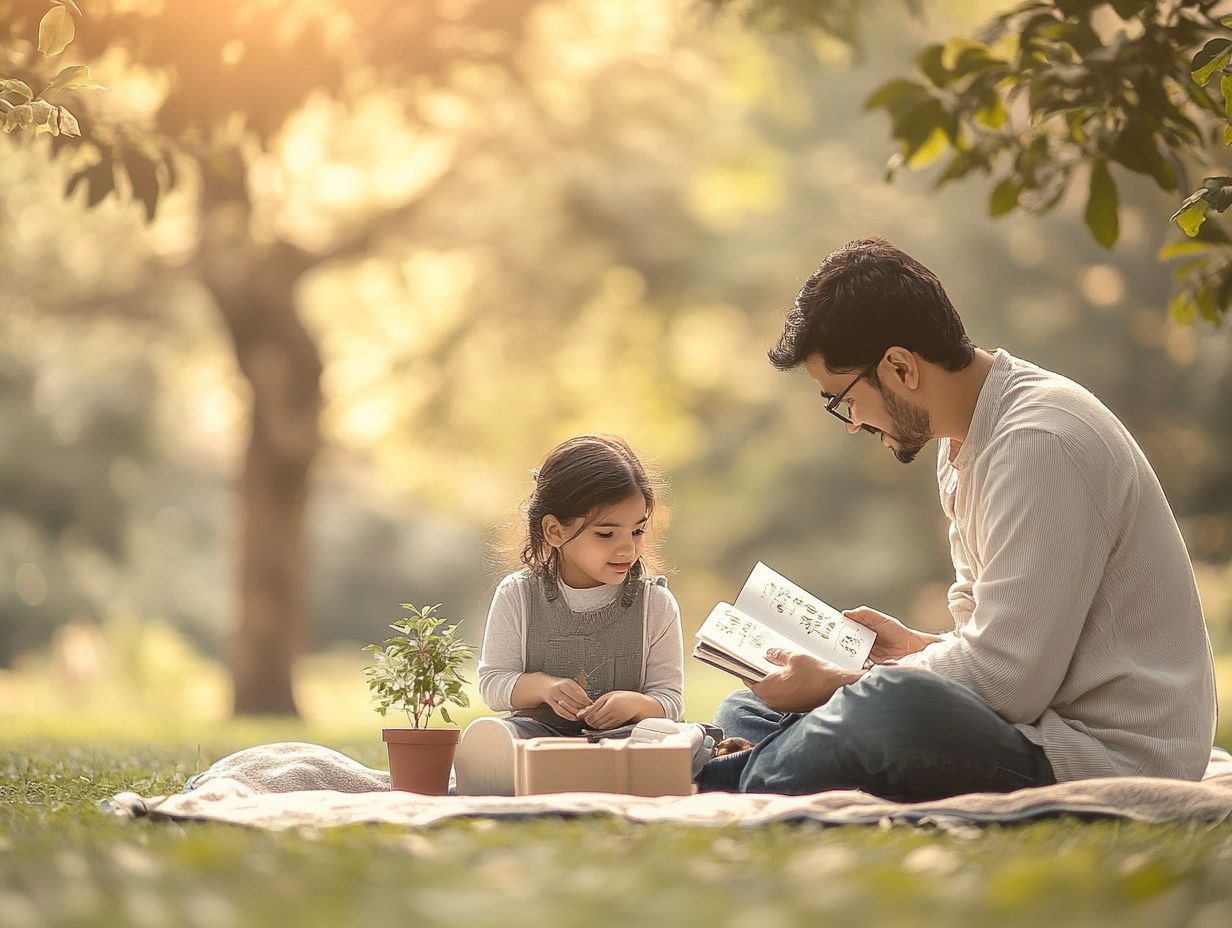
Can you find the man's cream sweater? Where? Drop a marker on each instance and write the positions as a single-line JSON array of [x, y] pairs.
[[1075, 610]]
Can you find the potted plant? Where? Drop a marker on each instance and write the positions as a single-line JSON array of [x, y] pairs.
[[417, 672]]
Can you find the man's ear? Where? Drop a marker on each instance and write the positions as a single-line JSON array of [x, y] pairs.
[[904, 367]]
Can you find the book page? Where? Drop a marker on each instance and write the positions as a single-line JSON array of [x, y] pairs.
[[736, 633], [804, 620]]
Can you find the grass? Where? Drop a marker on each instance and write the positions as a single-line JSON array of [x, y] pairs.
[[63, 863]]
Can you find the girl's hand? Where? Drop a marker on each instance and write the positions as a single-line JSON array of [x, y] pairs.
[[894, 639], [566, 698], [617, 707]]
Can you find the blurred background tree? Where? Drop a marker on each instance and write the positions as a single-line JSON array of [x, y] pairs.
[[454, 235], [1050, 96]]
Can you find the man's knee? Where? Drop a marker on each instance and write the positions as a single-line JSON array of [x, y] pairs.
[[899, 699], [737, 707]]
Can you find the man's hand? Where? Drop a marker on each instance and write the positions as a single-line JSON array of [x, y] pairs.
[[804, 683], [894, 639], [617, 707]]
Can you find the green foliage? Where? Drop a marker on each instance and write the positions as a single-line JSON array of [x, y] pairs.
[[838, 18], [1050, 88], [20, 109], [419, 670]]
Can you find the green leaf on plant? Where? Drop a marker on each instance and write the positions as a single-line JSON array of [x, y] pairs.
[[892, 92], [930, 63], [143, 177], [1182, 308], [993, 114], [46, 118], [1004, 197], [1101, 214], [1213, 56], [76, 77], [1127, 9], [933, 148], [19, 90], [19, 117], [1191, 216], [1183, 249], [56, 31]]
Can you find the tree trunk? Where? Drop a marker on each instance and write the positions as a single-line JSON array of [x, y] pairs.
[[254, 289]]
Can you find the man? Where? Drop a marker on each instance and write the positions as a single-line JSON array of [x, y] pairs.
[[1079, 648]]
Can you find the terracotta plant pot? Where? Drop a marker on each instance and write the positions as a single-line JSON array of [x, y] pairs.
[[420, 758]]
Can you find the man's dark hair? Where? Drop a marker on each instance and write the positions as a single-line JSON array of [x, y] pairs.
[[865, 298]]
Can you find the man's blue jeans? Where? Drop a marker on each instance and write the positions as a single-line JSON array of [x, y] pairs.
[[899, 733]]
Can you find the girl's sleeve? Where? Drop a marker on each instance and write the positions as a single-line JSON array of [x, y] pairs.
[[500, 658], [664, 679]]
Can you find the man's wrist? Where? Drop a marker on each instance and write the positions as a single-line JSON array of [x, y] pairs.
[[921, 640], [848, 677]]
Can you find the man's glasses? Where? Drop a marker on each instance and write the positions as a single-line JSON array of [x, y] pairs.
[[839, 406]]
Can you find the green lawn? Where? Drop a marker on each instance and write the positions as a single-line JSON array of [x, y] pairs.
[[62, 863]]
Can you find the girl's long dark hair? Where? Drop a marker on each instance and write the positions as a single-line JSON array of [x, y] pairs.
[[578, 479]]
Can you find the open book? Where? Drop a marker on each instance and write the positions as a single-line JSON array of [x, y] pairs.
[[772, 612]]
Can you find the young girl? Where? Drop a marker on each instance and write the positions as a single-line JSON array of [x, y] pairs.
[[579, 640]]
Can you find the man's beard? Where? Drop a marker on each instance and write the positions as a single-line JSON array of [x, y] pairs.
[[910, 427]]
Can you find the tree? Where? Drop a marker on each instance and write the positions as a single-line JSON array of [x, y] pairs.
[[234, 73], [1052, 95], [24, 110]]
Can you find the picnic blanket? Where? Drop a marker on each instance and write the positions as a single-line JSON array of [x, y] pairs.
[[292, 784]]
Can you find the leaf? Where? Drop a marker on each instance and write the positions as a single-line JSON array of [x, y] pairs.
[[46, 118], [56, 31], [1182, 249], [69, 125], [1127, 9], [1191, 217], [1213, 56], [1207, 309], [99, 179], [892, 92], [1137, 149], [1077, 7], [932, 149], [1101, 214], [75, 77], [19, 117], [930, 62], [992, 113], [1225, 89], [19, 89], [1182, 308], [915, 126], [143, 176], [1004, 197]]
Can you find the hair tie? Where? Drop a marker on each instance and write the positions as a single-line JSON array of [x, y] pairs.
[[534, 474]]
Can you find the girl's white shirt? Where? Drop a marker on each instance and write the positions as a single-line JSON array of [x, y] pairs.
[[502, 658]]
